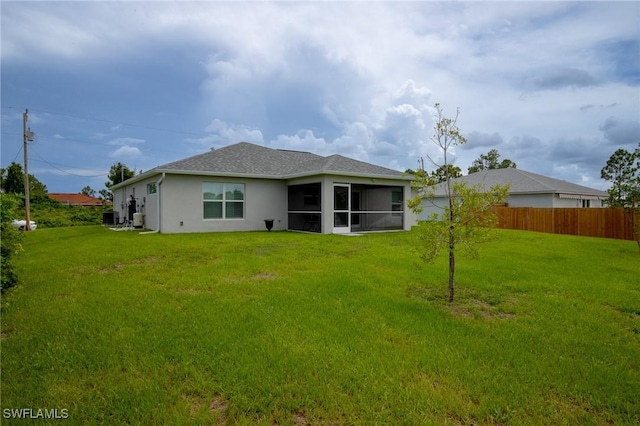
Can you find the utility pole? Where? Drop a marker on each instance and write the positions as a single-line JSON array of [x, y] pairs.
[[27, 136]]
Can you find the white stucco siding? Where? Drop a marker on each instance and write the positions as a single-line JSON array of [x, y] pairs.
[[516, 200], [530, 200], [438, 204], [410, 218], [151, 212], [326, 201], [431, 206], [146, 203], [182, 205], [550, 201], [566, 202]]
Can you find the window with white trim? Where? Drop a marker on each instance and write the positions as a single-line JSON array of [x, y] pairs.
[[396, 201], [151, 188], [222, 200]]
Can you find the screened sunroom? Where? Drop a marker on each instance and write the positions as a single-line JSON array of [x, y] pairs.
[[353, 207]]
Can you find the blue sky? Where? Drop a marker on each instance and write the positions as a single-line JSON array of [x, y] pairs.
[[554, 86]]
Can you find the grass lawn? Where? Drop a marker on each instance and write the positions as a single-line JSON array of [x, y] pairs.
[[289, 328]]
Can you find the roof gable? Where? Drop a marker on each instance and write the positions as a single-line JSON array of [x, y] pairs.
[[523, 182]]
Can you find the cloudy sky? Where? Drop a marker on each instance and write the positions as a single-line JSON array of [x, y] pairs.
[[554, 86]]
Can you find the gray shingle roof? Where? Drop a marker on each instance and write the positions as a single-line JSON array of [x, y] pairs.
[[523, 182], [248, 159]]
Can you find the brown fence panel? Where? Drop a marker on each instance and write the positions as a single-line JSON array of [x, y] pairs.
[[606, 223], [615, 226], [590, 223], [542, 220], [565, 221]]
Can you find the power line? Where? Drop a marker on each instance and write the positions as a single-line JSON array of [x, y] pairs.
[[112, 122], [17, 153], [42, 160]]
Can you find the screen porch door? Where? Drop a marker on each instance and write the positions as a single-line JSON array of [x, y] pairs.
[[341, 208]]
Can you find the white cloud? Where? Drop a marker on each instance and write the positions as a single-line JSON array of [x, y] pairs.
[[126, 152], [125, 141], [304, 141], [531, 79], [224, 133], [409, 93]]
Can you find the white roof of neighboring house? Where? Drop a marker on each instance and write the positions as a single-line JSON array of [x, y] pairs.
[[523, 182]]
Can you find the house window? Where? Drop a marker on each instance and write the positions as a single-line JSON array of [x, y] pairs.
[[586, 204], [151, 188], [223, 200], [396, 201]]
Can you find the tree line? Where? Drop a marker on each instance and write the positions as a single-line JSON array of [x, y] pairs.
[[488, 161], [12, 182]]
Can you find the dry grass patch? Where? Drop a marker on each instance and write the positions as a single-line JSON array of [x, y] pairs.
[[475, 308], [264, 276], [300, 418], [469, 303], [218, 406], [190, 291]]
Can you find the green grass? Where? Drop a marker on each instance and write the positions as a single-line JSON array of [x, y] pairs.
[[287, 328]]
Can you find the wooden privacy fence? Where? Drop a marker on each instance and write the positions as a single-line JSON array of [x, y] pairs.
[[593, 222]]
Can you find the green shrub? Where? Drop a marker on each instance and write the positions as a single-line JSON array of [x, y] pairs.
[[48, 213], [11, 238]]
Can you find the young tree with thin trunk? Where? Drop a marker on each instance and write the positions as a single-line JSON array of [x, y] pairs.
[[466, 218]]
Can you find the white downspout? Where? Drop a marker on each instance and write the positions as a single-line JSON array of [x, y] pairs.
[[158, 183]]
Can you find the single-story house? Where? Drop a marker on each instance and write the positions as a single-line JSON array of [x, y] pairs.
[[526, 189], [239, 187], [77, 199]]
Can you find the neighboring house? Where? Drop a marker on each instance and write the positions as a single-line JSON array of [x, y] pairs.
[[526, 189], [77, 200], [238, 187]]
